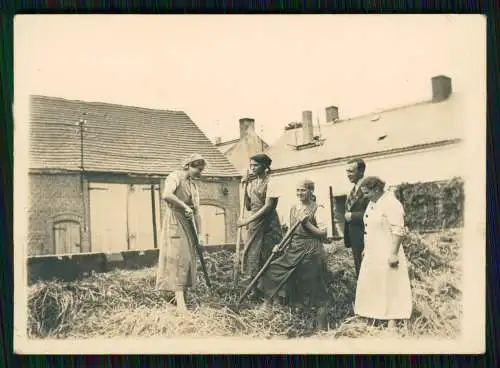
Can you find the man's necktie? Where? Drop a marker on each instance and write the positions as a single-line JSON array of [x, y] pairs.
[[350, 199]]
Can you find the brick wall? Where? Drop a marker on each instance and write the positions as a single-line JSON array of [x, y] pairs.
[[55, 197], [52, 198]]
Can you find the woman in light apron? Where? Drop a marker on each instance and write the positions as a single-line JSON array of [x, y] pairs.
[[177, 256]]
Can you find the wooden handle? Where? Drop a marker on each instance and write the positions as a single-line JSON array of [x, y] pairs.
[[238, 236]]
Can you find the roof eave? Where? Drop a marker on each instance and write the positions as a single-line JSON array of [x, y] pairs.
[[334, 160], [62, 171]]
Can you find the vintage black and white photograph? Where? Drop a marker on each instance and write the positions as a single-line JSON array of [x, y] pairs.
[[249, 184]]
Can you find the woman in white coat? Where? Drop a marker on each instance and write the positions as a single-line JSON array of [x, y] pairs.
[[383, 291]]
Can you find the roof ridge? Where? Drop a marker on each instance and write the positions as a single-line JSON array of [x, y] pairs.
[[99, 103], [236, 140], [390, 109], [374, 113]]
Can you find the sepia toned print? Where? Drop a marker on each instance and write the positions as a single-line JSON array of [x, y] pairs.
[[342, 217]]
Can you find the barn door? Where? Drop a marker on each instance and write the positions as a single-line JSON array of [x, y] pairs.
[[108, 217], [140, 216], [67, 238], [213, 225]]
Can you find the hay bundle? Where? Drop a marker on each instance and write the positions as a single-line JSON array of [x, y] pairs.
[[421, 256], [53, 305]]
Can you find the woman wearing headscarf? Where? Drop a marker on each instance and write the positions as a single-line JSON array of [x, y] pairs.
[[298, 273], [177, 256], [383, 291], [264, 229]]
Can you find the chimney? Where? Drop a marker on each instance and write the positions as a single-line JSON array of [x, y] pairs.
[[332, 113], [246, 125], [441, 88], [218, 140], [307, 127]]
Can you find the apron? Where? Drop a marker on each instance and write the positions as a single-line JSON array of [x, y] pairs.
[[177, 256], [299, 272], [263, 234]]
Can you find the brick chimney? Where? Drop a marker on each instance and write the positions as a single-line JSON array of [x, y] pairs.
[[246, 125], [332, 113], [441, 88], [307, 127], [218, 140]]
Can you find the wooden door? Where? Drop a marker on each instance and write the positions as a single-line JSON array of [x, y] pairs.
[[108, 217], [213, 223], [67, 237], [140, 215], [339, 211]]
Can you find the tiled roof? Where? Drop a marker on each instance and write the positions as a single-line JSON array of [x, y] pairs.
[[117, 138], [403, 127]]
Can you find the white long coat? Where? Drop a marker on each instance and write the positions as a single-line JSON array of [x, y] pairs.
[[383, 292]]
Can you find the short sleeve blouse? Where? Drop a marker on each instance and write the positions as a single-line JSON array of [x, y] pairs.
[[394, 212], [178, 183], [271, 191]]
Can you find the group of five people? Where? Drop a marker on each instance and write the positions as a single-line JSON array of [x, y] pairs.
[[374, 229]]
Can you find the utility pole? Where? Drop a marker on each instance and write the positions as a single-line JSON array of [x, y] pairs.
[[261, 139], [319, 126], [81, 124], [153, 209]]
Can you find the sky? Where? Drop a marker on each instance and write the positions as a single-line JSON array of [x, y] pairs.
[[220, 68]]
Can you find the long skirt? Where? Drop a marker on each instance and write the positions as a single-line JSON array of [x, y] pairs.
[[263, 235], [383, 292], [298, 274], [177, 257]]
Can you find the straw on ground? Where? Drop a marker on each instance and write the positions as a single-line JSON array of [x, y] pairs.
[[125, 303]]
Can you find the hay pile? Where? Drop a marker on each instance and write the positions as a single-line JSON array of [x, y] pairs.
[[125, 303]]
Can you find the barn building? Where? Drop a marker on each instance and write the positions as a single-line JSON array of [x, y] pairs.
[[96, 171]]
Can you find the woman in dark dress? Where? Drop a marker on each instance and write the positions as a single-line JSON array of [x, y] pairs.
[[299, 271], [263, 225]]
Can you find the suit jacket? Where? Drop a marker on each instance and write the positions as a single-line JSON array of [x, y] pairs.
[[354, 231]]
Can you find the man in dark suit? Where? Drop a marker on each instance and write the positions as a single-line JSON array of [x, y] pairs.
[[355, 207]]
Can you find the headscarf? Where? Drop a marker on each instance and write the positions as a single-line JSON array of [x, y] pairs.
[[195, 157], [263, 159]]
